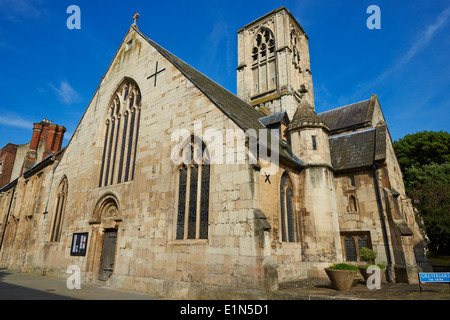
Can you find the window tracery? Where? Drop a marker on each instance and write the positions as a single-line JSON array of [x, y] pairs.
[[263, 56], [121, 135], [193, 192]]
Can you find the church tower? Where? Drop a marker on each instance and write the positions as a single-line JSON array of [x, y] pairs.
[[273, 70]]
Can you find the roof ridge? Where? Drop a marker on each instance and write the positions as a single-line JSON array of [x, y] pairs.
[[153, 42], [236, 109], [347, 105], [351, 133]]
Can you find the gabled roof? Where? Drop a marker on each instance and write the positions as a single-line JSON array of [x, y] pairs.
[[350, 116], [240, 112], [358, 149]]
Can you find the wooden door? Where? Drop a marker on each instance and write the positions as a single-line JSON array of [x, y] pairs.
[[108, 253]]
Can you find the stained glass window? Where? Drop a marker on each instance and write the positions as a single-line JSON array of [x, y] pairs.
[[181, 202], [350, 248], [193, 202], [204, 205], [289, 215], [288, 233], [283, 214], [363, 242], [120, 141], [193, 193]]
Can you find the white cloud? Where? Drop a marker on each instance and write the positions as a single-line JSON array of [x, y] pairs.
[[66, 93], [421, 42], [16, 10], [15, 121]]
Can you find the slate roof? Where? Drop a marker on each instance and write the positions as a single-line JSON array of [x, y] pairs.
[[352, 115], [239, 111], [358, 149], [306, 117], [275, 118]]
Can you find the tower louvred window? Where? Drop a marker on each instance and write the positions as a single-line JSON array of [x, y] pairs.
[[263, 56]]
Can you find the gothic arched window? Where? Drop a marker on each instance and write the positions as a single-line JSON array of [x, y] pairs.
[[264, 66], [61, 199], [287, 217], [193, 191], [122, 128], [295, 45]]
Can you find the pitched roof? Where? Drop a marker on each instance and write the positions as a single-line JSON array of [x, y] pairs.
[[305, 116], [275, 118], [240, 112], [353, 115], [358, 149]]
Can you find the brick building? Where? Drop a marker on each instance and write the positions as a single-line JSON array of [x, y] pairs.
[[15, 159]]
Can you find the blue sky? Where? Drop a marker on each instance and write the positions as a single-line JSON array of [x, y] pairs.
[[48, 71]]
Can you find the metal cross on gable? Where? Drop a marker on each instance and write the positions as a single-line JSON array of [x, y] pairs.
[[156, 73]]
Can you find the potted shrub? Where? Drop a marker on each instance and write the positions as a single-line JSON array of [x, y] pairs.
[[369, 256], [356, 280], [342, 275]]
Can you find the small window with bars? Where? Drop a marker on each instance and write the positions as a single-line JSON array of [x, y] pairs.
[[352, 242]]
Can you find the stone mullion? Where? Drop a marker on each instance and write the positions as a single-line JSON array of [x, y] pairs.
[[105, 145], [110, 145], [112, 152], [123, 155], [136, 142], [133, 145], [115, 155], [128, 145]]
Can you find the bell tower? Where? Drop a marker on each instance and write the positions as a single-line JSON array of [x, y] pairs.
[[273, 70]]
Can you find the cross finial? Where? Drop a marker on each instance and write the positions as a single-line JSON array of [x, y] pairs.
[[135, 17]]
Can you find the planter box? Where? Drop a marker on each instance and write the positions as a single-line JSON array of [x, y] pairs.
[[363, 271], [341, 280]]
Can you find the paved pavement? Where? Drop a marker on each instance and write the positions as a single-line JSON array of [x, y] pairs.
[[321, 289], [22, 286]]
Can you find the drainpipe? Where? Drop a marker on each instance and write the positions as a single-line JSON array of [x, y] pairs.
[[383, 224], [7, 215]]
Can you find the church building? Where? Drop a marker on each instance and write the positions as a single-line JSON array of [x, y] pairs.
[[135, 200]]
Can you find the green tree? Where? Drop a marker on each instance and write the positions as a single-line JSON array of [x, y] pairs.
[[430, 187], [422, 148], [424, 158]]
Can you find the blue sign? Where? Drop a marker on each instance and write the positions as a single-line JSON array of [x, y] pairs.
[[434, 276]]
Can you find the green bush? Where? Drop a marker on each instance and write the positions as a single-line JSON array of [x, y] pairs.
[[368, 255], [343, 266]]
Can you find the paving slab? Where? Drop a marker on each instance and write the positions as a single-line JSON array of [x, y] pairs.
[[15, 285], [23, 286]]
